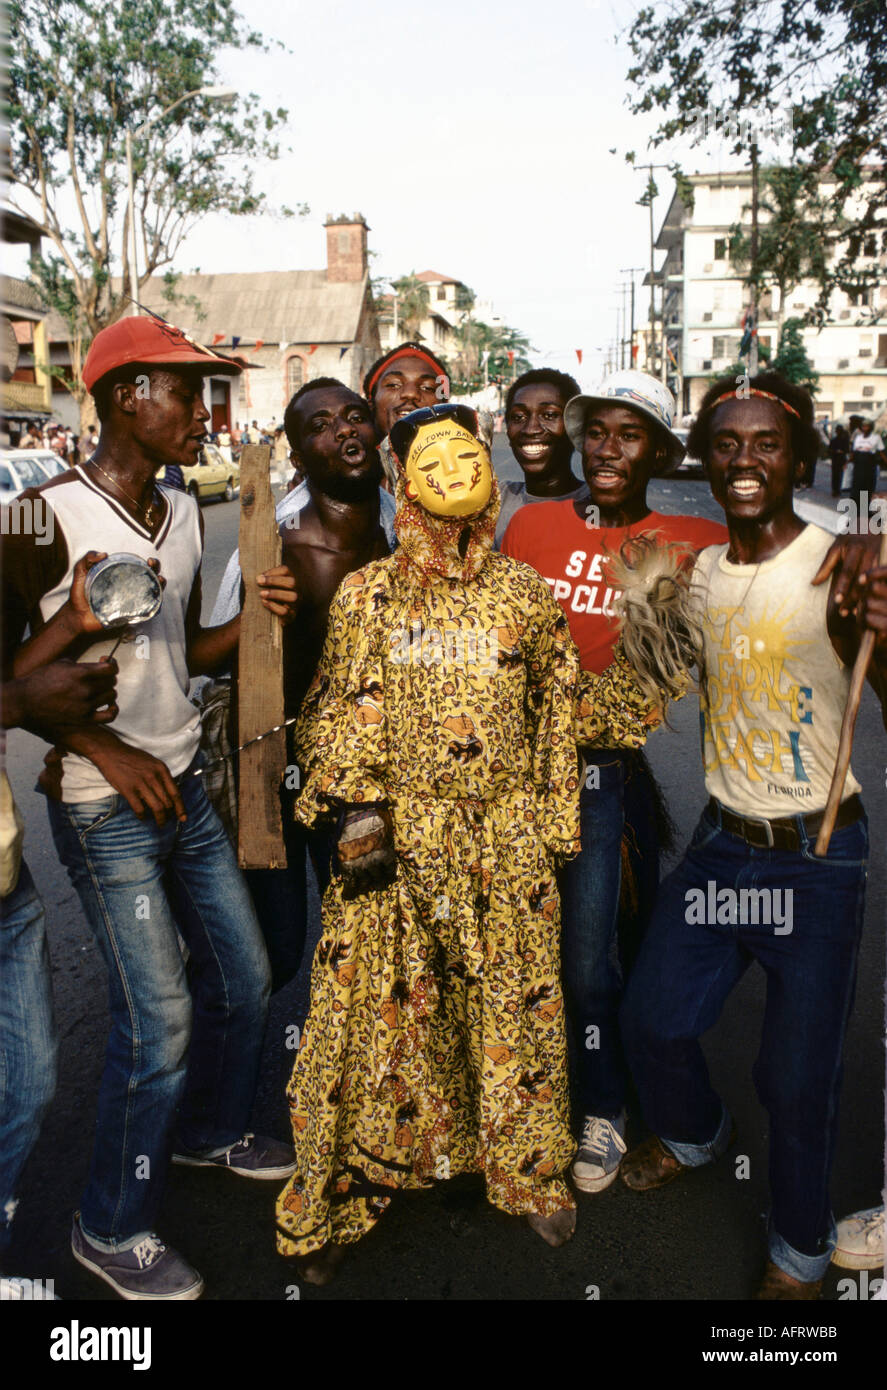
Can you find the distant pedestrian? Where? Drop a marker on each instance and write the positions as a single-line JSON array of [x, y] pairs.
[[839, 452], [867, 452]]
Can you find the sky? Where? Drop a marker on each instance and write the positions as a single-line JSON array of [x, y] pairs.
[[474, 137], [483, 139]]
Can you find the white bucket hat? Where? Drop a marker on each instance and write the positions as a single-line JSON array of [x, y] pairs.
[[638, 391]]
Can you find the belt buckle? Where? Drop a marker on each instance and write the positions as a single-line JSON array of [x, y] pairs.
[[768, 829]]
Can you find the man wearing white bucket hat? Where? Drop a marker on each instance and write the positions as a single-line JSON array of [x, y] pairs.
[[625, 437]]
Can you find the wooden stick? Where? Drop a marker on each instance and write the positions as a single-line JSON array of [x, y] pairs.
[[260, 673], [848, 724]]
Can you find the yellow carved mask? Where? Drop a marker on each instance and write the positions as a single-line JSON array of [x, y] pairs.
[[448, 470]]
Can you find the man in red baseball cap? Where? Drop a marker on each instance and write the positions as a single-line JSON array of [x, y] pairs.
[[143, 847], [148, 342]]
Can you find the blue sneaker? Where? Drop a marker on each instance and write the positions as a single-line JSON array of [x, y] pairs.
[[253, 1156], [601, 1150], [149, 1270]]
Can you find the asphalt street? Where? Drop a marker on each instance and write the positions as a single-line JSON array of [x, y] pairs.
[[699, 1239]]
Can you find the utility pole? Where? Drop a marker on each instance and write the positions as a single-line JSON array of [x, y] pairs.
[[631, 270], [649, 196], [753, 302]]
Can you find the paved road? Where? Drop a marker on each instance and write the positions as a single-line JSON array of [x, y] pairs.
[[701, 1240]]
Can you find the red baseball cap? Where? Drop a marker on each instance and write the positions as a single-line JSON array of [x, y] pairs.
[[149, 340]]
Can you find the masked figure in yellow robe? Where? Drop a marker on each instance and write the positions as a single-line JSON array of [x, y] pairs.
[[439, 732]]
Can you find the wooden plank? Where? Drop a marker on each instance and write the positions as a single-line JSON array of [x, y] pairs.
[[260, 673]]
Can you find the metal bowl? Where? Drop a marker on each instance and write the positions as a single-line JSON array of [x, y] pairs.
[[123, 590]]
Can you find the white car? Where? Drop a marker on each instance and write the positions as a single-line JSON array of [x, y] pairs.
[[21, 468]]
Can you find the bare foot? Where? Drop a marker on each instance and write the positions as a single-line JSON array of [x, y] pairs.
[[322, 1266], [555, 1230]]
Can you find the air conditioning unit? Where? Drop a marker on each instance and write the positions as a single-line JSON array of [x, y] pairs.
[[707, 269], [843, 362], [844, 314], [865, 352], [706, 366], [707, 318], [868, 390]]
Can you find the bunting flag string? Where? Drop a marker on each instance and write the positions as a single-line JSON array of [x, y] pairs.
[[235, 341], [283, 347], [312, 348], [219, 338], [342, 352], [260, 342]]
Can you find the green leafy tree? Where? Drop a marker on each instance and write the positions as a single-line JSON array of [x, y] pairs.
[[791, 357], [791, 247], [413, 305], [827, 59], [83, 72]]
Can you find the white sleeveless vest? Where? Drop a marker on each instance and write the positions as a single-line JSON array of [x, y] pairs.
[[774, 690]]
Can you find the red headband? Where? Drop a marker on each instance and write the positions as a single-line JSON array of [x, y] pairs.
[[403, 352], [753, 391]]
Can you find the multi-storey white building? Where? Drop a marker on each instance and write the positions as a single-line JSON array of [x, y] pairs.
[[705, 299]]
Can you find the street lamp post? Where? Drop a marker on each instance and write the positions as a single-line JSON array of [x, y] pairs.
[[214, 94]]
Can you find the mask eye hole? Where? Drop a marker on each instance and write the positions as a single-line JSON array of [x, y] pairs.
[[427, 467]]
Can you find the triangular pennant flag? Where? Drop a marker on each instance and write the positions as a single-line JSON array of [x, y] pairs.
[[342, 352], [579, 356], [283, 347], [219, 338], [235, 340], [260, 342], [313, 348]]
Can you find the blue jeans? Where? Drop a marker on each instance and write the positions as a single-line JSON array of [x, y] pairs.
[[28, 1044], [599, 943], [280, 896], [686, 970], [139, 883]]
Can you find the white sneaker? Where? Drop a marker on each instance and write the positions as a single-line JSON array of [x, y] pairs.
[[861, 1241], [601, 1150]]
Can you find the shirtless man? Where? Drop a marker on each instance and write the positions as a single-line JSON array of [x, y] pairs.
[[333, 440], [333, 521]]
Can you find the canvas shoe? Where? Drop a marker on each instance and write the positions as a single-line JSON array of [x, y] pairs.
[[861, 1240], [253, 1156], [601, 1150], [149, 1270]]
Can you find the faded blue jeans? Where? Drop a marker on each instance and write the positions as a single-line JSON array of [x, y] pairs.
[[188, 1044], [599, 942], [28, 1044], [686, 970]]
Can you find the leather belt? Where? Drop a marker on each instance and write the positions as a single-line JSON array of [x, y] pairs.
[[783, 833]]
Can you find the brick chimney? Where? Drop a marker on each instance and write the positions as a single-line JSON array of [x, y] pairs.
[[346, 247]]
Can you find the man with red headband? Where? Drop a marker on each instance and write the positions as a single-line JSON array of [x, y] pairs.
[[776, 651], [406, 378], [147, 854]]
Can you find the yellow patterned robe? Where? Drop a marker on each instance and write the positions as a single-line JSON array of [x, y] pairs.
[[435, 1040]]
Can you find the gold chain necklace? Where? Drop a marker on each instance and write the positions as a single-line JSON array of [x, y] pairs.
[[148, 512]]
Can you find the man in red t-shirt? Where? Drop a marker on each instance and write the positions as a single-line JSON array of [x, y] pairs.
[[625, 438]]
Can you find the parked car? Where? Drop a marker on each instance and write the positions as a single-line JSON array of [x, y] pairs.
[[210, 476], [688, 468], [21, 468]]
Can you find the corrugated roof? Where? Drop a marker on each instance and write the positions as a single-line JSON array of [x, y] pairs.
[[295, 306], [432, 277]]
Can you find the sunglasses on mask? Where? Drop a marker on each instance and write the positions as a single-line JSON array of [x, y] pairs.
[[403, 431]]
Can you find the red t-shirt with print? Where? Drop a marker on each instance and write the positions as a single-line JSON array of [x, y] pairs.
[[572, 559]]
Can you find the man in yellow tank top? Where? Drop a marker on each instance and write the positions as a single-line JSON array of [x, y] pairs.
[[777, 651]]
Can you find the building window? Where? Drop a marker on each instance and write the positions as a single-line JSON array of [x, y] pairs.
[[295, 375], [720, 248], [724, 347], [441, 291]]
